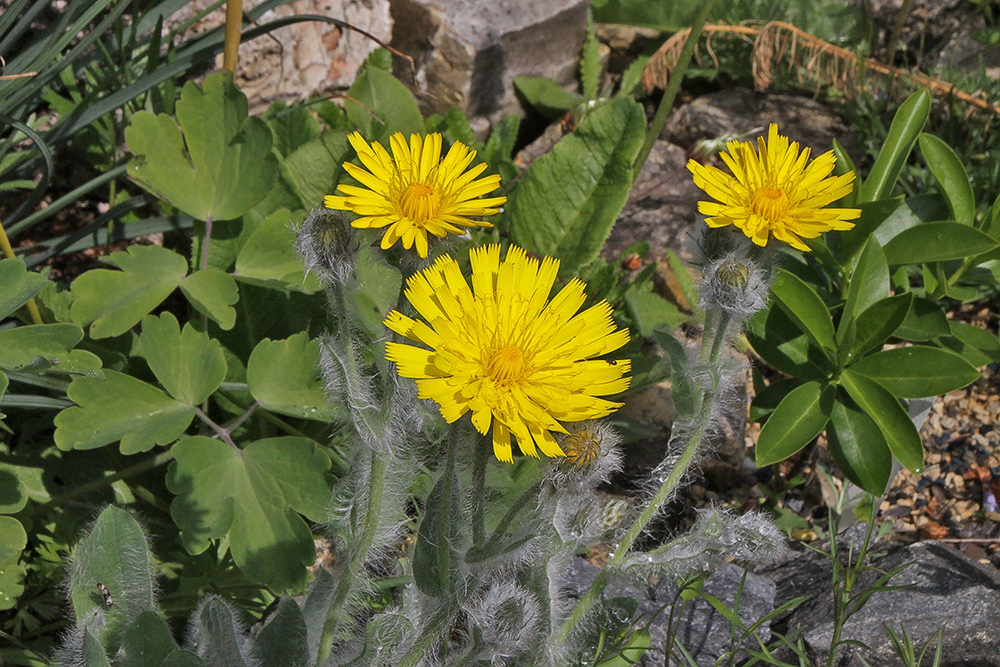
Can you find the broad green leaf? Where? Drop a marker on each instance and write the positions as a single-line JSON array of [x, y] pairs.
[[120, 408], [800, 417], [892, 420], [569, 199], [911, 212], [857, 447], [873, 215], [977, 346], [937, 242], [906, 126], [925, 321], [283, 639], [877, 323], [651, 310], [21, 346], [13, 496], [213, 292], [291, 127], [13, 539], [781, 344], [114, 553], [373, 293], [314, 170], [181, 658], [147, 641], [221, 166], [869, 283], [804, 307], [770, 397], [951, 176], [18, 285], [115, 301], [217, 636], [546, 96], [188, 364], [11, 586], [254, 496], [436, 555], [379, 105], [269, 257], [917, 371], [284, 376]]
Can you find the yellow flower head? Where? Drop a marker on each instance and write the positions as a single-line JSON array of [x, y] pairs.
[[506, 353], [774, 191], [413, 192]]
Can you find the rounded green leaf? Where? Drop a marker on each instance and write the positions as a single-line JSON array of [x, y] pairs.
[[800, 417], [951, 176], [254, 496], [313, 171], [283, 376], [188, 364], [120, 408], [222, 164], [918, 371], [283, 639], [213, 292], [115, 301], [21, 346], [937, 242], [892, 420], [13, 539], [906, 126], [269, 257], [804, 307], [18, 283], [569, 199], [857, 446], [378, 100]]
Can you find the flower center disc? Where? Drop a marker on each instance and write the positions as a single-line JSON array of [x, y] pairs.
[[419, 202], [507, 363], [769, 203]]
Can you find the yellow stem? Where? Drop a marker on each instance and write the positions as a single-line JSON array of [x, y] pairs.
[[36, 316], [234, 25]]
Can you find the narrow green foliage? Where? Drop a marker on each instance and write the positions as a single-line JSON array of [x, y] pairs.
[[906, 127], [951, 176], [590, 61]]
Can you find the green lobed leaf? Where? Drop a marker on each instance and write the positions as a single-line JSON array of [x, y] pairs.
[[891, 418], [216, 635], [906, 126], [22, 346], [869, 283], [925, 321], [937, 242], [283, 639], [782, 345], [269, 257], [19, 285], [314, 169], [212, 293], [918, 371], [147, 641], [857, 447], [800, 417], [569, 199], [120, 408], [255, 497], [114, 553], [373, 292], [291, 127], [283, 376], [804, 307], [379, 105], [221, 166], [13, 539], [951, 176], [877, 323], [546, 96], [115, 301], [11, 585], [188, 364]]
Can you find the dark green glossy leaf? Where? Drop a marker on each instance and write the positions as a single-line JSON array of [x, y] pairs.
[[951, 176], [800, 417], [936, 242], [779, 342], [906, 126], [925, 321], [869, 283], [873, 214], [976, 345], [917, 371], [876, 324], [768, 399], [892, 420], [857, 447], [804, 307]]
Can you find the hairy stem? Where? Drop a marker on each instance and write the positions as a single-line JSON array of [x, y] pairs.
[[481, 457], [432, 632]]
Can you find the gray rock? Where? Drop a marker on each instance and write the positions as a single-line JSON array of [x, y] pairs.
[[468, 52], [704, 632], [946, 591], [740, 110]]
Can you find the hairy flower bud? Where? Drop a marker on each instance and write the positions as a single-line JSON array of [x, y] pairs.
[[327, 245], [592, 455], [735, 283], [507, 614]]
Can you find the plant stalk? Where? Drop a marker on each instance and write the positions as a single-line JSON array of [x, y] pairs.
[[234, 26], [480, 459], [8, 251]]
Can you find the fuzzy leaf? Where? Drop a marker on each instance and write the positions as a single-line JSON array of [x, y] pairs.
[[120, 408], [19, 285], [188, 364], [282, 640], [254, 496], [314, 170], [590, 61], [221, 166], [569, 199], [269, 257], [147, 641], [213, 292], [374, 292], [115, 301], [315, 609], [217, 636], [115, 554], [93, 653], [182, 658], [436, 556], [284, 376]]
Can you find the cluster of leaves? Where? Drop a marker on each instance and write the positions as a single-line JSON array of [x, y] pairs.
[[886, 281]]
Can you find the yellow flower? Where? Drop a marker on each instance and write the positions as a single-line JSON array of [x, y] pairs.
[[506, 353], [413, 192], [774, 191]]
